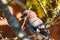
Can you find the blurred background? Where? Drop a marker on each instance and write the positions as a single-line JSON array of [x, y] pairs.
[[16, 7]]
